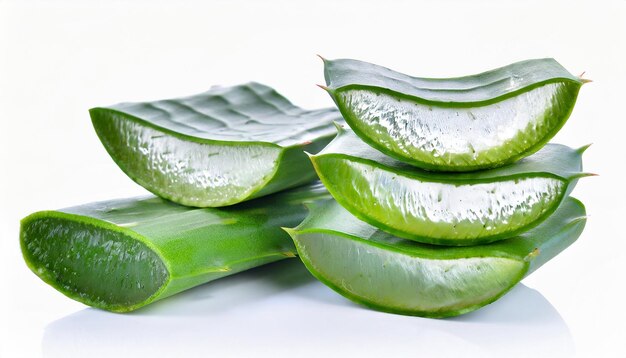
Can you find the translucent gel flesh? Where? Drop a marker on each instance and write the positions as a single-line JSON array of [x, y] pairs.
[[188, 172], [98, 266], [442, 210], [398, 281], [467, 136]]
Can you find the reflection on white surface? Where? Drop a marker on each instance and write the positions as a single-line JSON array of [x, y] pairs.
[[280, 309]]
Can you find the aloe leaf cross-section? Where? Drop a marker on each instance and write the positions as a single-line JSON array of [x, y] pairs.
[[121, 255], [217, 148], [454, 124], [374, 268], [447, 208]]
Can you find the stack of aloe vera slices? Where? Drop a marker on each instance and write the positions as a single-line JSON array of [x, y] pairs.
[[446, 192], [209, 151]]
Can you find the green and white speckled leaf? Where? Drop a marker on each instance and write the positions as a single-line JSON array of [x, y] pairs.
[[120, 255], [379, 270], [447, 208], [217, 148], [454, 124]]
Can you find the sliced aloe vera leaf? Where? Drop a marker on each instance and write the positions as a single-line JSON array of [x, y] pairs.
[[121, 255], [447, 208], [217, 148], [374, 268], [454, 124]]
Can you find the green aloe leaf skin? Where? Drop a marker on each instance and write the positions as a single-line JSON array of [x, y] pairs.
[[447, 208], [121, 255], [379, 270], [454, 124], [217, 148]]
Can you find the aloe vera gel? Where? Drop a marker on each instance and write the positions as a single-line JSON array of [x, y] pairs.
[[439, 198], [121, 255], [446, 208], [217, 148], [382, 271], [454, 124], [446, 193]]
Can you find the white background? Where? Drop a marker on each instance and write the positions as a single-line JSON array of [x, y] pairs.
[[59, 58]]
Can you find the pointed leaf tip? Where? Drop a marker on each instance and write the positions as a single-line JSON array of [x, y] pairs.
[[583, 80], [582, 149], [321, 57], [339, 126], [289, 231], [324, 88], [312, 157], [531, 255], [584, 175]]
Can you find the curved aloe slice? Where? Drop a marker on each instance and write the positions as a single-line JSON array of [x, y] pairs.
[[374, 268], [456, 124], [218, 148], [447, 208], [120, 255]]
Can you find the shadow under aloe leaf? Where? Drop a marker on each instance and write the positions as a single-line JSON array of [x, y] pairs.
[[230, 292], [280, 309]]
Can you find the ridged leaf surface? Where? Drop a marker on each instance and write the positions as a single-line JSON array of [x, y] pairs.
[[217, 148]]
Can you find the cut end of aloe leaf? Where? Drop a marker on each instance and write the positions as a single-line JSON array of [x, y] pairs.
[[436, 212], [184, 171], [92, 262], [394, 282], [386, 273], [448, 209], [120, 255], [218, 148], [457, 124]]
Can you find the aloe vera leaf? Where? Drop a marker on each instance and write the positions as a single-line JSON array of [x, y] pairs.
[[217, 148], [379, 270], [121, 255], [454, 124], [447, 208]]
